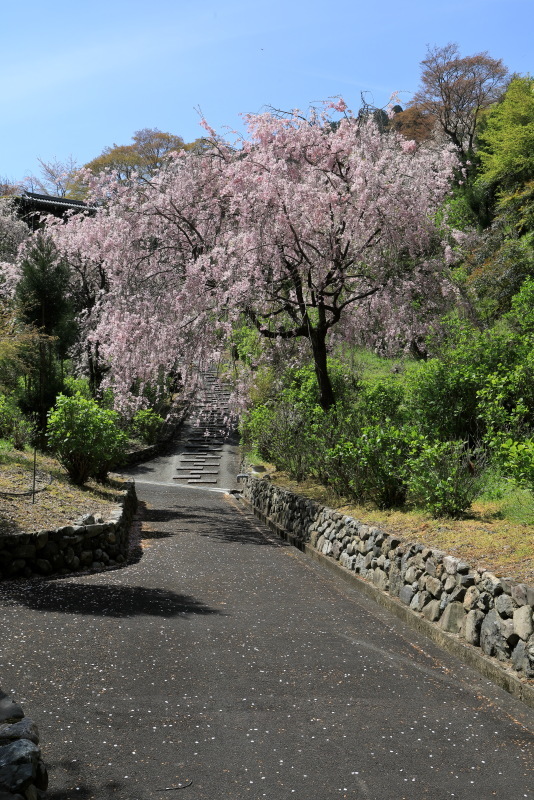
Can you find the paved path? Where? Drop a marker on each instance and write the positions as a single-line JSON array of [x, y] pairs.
[[226, 664], [206, 454]]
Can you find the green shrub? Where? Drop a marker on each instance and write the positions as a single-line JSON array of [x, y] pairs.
[[443, 393], [521, 316], [86, 439], [278, 433], [13, 424], [506, 402], [444, 477], [347, 474], [372, 465], [382, 452], [516, 460], [74, 386], [292, 431], [146, 425]]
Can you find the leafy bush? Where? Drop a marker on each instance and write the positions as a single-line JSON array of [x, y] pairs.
[[382, 452], [146, 425], [291, 430], [444, 477], [13, 424], [516, 459], [278, 434], [506, 402], [86, 439], [443, 393], [521, 316], [74, 386]]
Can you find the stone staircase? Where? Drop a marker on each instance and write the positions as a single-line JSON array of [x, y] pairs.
[[205, 433]]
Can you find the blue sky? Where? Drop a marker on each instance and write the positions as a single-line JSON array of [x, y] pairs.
[[78, 76]]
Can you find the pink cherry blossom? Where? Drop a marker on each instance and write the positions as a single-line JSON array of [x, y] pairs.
[[305, 230]]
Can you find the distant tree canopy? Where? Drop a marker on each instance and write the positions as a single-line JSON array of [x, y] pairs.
[[144, 157], [57, 179], [506, 140], [414, 122], [500, 191], [455, 90]]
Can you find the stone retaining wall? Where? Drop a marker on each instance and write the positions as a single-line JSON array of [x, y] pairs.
[[95, 543], [23, 775], [492, 614]]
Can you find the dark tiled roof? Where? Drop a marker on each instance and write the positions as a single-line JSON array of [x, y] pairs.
[[48, 199], [33, 207]]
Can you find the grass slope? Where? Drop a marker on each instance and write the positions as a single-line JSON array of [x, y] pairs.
[[56, 503]]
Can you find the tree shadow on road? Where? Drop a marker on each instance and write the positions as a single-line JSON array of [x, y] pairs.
[[106, 600], [225, 525], [232, 528]]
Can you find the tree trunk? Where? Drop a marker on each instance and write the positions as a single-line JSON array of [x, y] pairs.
[[326, 392]]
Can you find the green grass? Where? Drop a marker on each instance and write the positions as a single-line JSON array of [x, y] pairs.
[[373, 368]]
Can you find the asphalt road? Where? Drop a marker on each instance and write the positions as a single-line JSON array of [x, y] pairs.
[[223, 663]]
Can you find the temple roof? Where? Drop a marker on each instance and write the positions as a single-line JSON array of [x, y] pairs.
[[32, 204]]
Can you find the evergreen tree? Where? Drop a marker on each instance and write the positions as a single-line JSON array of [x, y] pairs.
[[43, 303]]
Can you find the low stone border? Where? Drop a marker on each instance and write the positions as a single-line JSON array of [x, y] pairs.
[[485, 620], [23, 775], [95, 543]]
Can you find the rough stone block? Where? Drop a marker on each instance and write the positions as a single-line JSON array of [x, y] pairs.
[[412, 574], [491, 584], [457, 595], [504, 605], [433, 585], [484, 601], [25, 551], [430, 566], [419, 600], [336, 549], [518, 655], [519, 594], [467, 580], [451, 564], [432, 611], [507, 630], [492, 641], [9, 710], [406, 594], [368, 560], [523, 622], [41, 539], [380, 579], [18, 765], [395, 581], [44, 566], [25, 729], [472, 624], [453, 618], [327, 548]]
